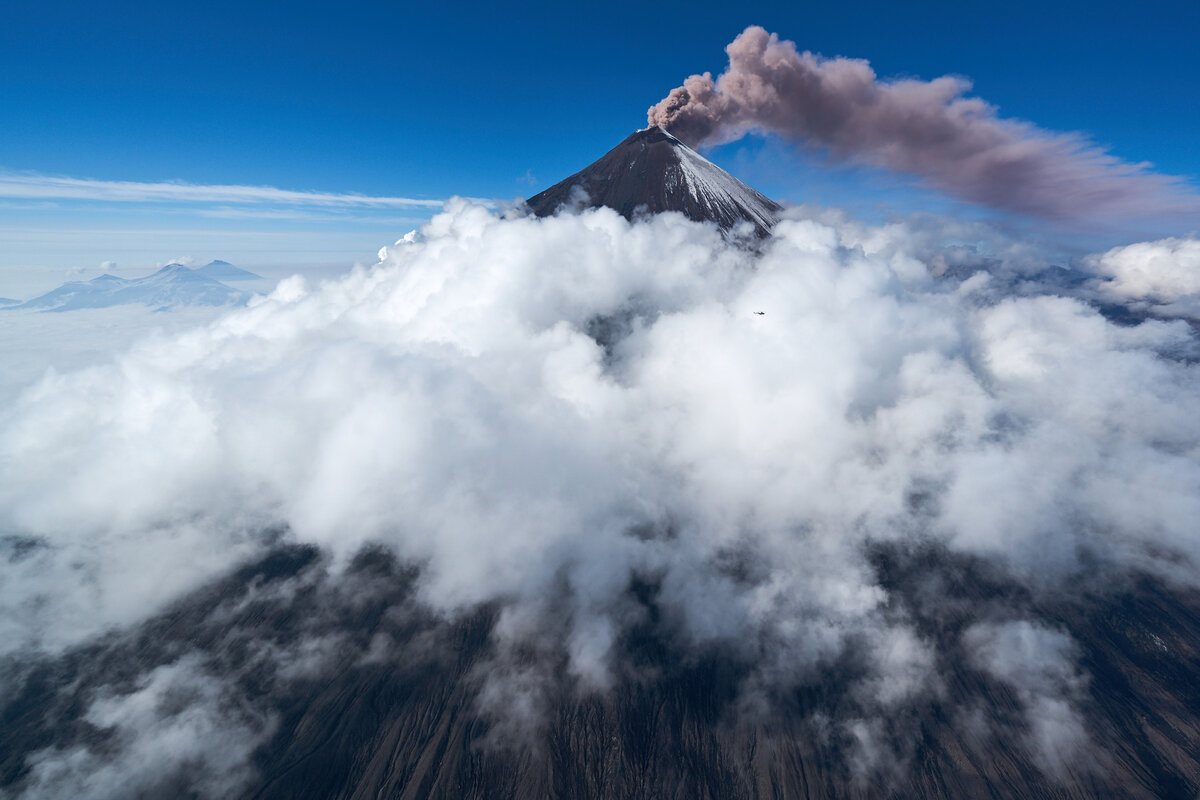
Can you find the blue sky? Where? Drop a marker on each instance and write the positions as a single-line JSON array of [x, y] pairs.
[[419, 102]]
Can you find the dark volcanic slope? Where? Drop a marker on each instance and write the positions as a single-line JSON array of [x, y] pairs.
[[401, 720], [654, 171]]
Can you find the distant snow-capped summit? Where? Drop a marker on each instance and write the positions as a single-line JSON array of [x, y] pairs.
[[653, 171], [226, 272], [173, 286]]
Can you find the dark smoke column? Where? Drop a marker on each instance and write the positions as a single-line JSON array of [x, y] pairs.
[[924, 128]]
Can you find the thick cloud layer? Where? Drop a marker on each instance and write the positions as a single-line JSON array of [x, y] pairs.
[[536, 413], [925, 128], [1161, 277]]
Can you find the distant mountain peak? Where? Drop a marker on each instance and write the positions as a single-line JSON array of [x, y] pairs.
[[224, 271], [653, 171], [172, 286]]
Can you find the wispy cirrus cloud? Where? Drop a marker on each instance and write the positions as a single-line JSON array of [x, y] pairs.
[[32, 186], [301, 215], [57, 222]]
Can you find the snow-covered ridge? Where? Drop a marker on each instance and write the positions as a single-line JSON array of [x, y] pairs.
[[716, 188], [174, 286], [654, 172]]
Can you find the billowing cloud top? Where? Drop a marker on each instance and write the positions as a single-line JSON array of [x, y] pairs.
[[538, 412], [925, 128]]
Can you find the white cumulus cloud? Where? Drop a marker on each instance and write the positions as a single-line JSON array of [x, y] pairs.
[[538, 411]]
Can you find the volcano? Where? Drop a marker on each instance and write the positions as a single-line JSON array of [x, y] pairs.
[[402, 720], [653, 172], [578, 518]]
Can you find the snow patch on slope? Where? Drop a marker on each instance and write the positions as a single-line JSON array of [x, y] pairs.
[[716, 189]]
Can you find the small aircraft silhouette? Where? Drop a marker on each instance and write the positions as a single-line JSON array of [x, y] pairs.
[[760, 313]]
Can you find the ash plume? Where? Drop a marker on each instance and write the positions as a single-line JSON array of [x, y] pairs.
[[929, 129]]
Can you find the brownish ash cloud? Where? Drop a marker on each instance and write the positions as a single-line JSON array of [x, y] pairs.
[[929, 129]]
